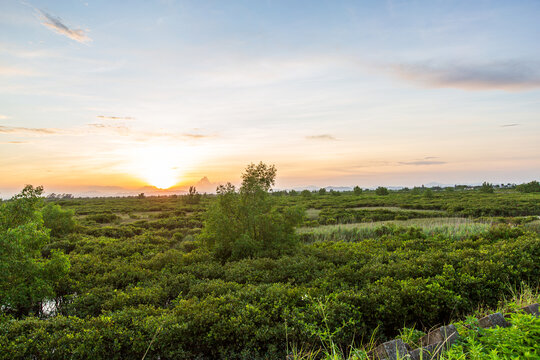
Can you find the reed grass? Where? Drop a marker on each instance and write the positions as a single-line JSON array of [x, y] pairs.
[[450, 227]]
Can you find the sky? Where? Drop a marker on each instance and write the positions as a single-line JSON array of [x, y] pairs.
[[122, 95]]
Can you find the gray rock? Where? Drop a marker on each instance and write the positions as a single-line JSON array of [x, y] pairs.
[[429, 352], [531, 309], [390, 350], [446, 335], [493, 320]]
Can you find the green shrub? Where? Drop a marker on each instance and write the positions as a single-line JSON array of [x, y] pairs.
[[104, 218], [531, 187], [60, 221], [247, 223]]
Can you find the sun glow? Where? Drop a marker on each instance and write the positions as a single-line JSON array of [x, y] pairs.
[[161, 176], [158, 166]]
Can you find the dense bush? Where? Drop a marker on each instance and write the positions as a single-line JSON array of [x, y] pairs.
[[486, 188], [60, 221], [246, 223], [531, 187], [103, 218], [330, 216]]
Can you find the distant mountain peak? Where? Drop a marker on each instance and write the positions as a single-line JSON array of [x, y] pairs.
[[204, 181], [205, 185]]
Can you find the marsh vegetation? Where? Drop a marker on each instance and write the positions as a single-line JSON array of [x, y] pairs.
[[242, 274]]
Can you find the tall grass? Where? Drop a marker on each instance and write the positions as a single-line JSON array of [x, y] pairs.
[[533, 226], [396, 208], [452, 228], [329, 350]]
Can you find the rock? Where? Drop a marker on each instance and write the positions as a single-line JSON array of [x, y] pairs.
[[429, 352], [531, 309], [390, 350], [493, 320], [446, 335]]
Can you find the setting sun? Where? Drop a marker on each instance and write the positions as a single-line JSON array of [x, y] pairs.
[[161, 176], [157, 166]]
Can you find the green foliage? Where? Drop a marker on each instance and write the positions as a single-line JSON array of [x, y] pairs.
[[258, 179], [193, 197], [247, 224], [146, 281], [61, 222], [27, 278], [322, 191], [306, 193], [357, 190], [531, 187], [381, 191], [345, 216], [428, 194], [519, 341], [22, 208], [103, 218], [486, 188]]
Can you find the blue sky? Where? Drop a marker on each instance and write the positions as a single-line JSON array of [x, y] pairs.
[[333, 92]]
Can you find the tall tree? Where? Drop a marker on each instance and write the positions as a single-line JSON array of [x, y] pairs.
[[246, 223]]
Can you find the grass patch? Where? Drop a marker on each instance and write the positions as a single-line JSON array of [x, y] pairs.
[[395, 208], [454, 228], [312, 214]]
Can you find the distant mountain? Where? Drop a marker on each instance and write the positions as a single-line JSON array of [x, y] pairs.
[[301, 188], [339, 188], [205, 186]]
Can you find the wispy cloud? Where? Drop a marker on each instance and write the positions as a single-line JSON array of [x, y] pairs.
[[172, 135], [21, 51], [510, 125], [15, 71], [103, 117], [143, 135], [56, 24], [422, 162], [116, 129], [321, 137], [105, 130], [195, 136], [13, 142], [28, 131], [507, 75], [4, 117]]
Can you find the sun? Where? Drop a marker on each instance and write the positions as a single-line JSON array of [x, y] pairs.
[[157, 165], [162, 177]]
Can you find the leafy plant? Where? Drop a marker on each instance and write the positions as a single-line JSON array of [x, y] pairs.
[[246, 223], [486, 188], [27, 278]]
